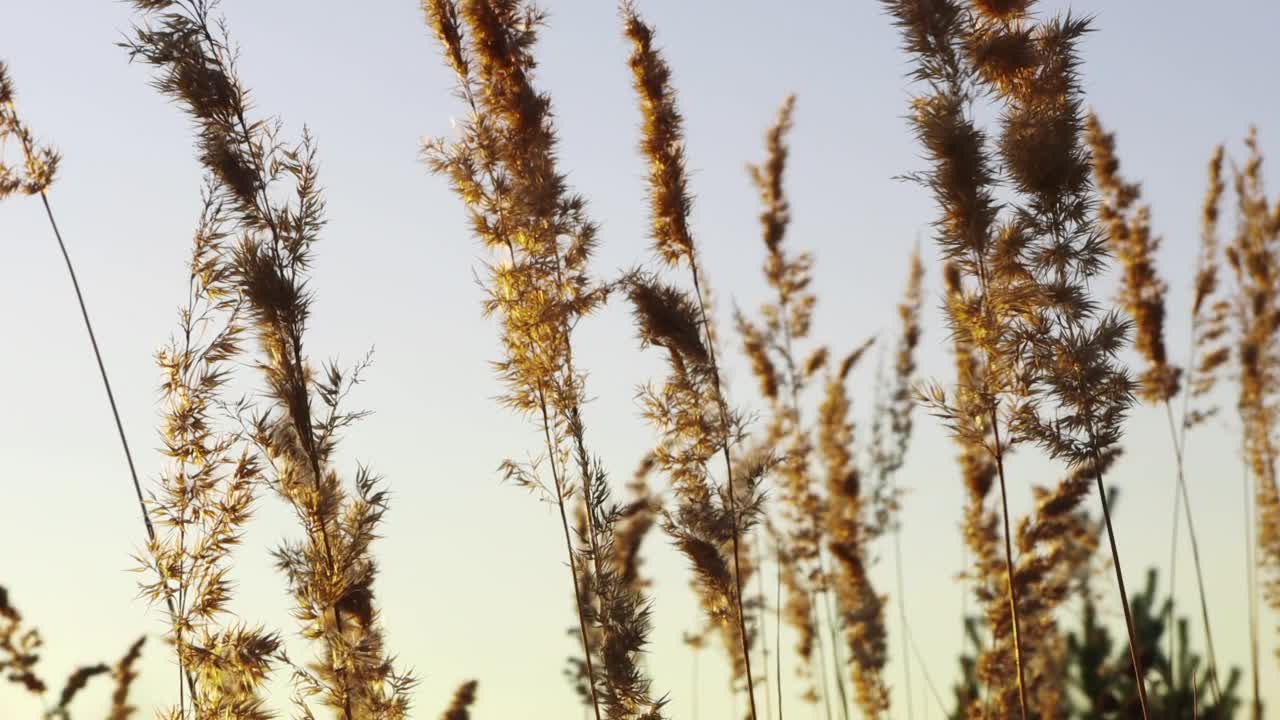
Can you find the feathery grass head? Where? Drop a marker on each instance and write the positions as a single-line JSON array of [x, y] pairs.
[[1129, 234], [19, 648], [75, 682], [1254, 257], [463, 698], [861, 609], [124, 674], [694, 426], [331, 571], [1207, 270], [39, 162], [636, 518], [667, 317], [1210, 318], [442, 16], [788, 275], [206, 495], [505, 170], [889, 453], [663, 143]]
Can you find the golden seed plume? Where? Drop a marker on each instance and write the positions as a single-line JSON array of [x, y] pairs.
[[39, 162], [124, 674], [463, 699], [269, 195], [505, 170], [1129, 234]]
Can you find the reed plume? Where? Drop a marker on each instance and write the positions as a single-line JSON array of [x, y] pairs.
[[861, 608], [39, 169], [962, 181], [1049, 357], [20, 651], [1132, 243], [39, 162], [1075, 376], [691, 390], [705, 517], [504, 169], [19, 647], [1209, 317], [637, 518], [74, 683], [889, 451], [463, 699], [1054, 542], [331, 570], [124, 674], [206, 495], [1129, 234], [980, 527], [1254, 257], [770, 345], [1057, 543], [889, 446]]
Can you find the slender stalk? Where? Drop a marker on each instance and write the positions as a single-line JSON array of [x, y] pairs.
[[182, 613], [1134, 648], [933, 689], [793, 384], [696, 651], [1251, 583], [469, 96], [728, 464], [1172, 613], [102, 369], [833, 633], [902, 614], [764, 630], [568, 543], [777, 634], [1008, 564], [115, 410], [822, 663], [1179, 447]]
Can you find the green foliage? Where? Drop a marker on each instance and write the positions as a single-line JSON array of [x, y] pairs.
[[1102, 687], [1100, 680]]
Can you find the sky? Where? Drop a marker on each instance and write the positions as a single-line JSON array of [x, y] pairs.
[[473, 583]]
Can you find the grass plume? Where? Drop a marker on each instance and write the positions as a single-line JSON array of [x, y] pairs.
[[274, 205], [504, 169], [670, 206]]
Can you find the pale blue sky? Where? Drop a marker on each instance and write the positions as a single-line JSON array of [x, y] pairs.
[[473, 582]]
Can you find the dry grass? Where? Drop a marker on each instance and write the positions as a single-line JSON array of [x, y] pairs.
[[1031, 209]]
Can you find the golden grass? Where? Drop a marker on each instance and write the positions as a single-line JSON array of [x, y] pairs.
[[1031, 210]]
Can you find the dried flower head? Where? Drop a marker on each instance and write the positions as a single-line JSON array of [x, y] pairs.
[[39, 162], [698, 517], [505, 170], [1254, 256], [463, 698], [1133, 244], [861, 609], [273, 204]]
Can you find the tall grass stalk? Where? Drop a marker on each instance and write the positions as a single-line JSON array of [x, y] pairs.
[[39, 171], [1133, 243], [1049, 359], [670, 205], [504, 169], [295, 431]]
